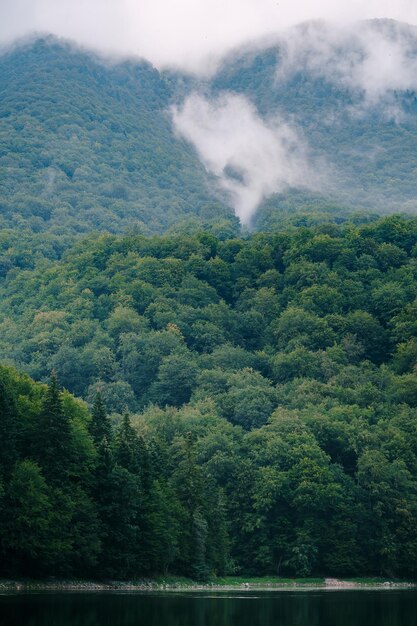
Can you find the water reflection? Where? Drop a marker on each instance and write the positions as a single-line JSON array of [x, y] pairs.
[[349, 608]]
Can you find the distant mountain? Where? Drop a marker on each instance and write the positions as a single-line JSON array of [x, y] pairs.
[[313, 125], [86, 145], [351, 95]]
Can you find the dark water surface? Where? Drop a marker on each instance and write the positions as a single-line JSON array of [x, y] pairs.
[[300, 608]]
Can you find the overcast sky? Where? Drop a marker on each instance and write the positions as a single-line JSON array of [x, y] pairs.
[[187, 33]]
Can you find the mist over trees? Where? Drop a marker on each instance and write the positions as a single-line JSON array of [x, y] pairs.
[[87, 145]]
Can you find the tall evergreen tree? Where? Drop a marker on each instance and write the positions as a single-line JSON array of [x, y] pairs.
[[8, 429], [103, 496], [189, 483], [100, 425], [127, 446], [53, 444], [218, 548], [28, 536], [105, 461]]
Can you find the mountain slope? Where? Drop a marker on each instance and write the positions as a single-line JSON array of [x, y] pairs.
[[351, 96], [276, 374], [273, 376], [85, 146]]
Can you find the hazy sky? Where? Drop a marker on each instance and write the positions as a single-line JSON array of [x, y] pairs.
[[181, 32]]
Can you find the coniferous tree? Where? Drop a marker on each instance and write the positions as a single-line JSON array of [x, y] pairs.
[[105, 462], [161, 528], [189, 483], [8, 429], [28, 532], [102, 493], [127, 446], [217, 535], [53, 442], [100, 425], [120, 507]]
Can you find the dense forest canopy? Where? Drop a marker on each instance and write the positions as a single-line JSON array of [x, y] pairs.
[[180, 393], [271, 389], [85, 145]]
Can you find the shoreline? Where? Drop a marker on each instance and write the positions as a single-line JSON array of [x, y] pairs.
[[184, 585]]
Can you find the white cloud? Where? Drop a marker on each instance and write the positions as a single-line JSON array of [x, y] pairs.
[[189, 33], [252, 158], [375, 58]]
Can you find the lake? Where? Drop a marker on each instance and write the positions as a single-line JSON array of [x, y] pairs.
[[246, 608]]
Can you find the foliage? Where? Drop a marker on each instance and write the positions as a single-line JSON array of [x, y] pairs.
[[263, 396], [86, 146]]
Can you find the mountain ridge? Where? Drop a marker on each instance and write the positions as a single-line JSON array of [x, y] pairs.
[[91, 145]]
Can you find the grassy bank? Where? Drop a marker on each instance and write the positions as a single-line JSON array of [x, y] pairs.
[[178, 583]]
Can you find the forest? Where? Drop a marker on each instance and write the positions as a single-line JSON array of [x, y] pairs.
[[212, 405], [181, 394], [88, 145]]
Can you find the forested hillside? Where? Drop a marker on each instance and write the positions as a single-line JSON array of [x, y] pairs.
[[90, 145], [143, 316], [85, 145], [272, 390], [182, 395], [359, 120]]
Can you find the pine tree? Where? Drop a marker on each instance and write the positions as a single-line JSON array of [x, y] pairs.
[[118, 497], [53, 446], [100, 425], [105, 461], [218, 548], [189, 483], [8, 429], [127, 446], [28, 533]]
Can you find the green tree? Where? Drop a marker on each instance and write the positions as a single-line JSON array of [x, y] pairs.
[[8, 426], [54, 442], [99, 426], [29, 536]]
